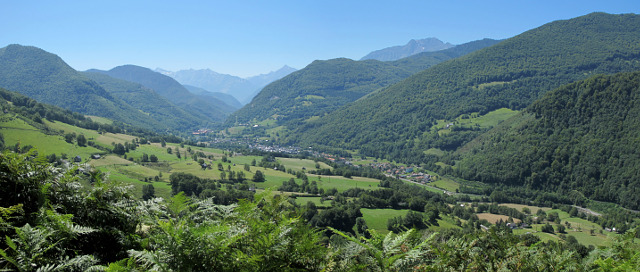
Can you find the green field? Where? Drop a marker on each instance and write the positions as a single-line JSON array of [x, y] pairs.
[[488, 120], [162, 189], [435, 152], [519, 207], [298, 164], [341, 183], [446, 222], [302, 201], [89, 134], [446, 183], [579, 228], [377, 218], [100, 120], [16, 130]]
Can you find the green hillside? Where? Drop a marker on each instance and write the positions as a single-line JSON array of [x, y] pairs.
[[396, 122], [321, 87], [207, 108], [422, 61], [148, 102], [47, 78], [580, 140], [325, 86]]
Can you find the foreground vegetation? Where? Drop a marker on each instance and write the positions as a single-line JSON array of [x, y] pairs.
[[52, 222]]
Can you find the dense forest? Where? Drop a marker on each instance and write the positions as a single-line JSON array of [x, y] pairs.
[[579, 139], [395, 123]]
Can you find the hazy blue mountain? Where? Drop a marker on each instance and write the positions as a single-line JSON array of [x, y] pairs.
[[264, 79], [411, 48], [242, 89], [422, 61], [206, 108], [226, 98]]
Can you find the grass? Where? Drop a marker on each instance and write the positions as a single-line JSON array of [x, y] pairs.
[[89, 134], [445, 222], [519, 207], [108, 138], [100, 120], [109, 160], [162, 189], [377, 218], [580, 228], [341, 183], [495, 218], [315, 199], [298, 164], [18, 131], [488, 120], [446, 183], [310, 96], [157, 150], [312, 118], [434, 151], [426, 187]]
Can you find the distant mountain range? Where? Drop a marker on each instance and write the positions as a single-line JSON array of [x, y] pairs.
[[207, 108], [226, 98], [411, 48], [129, 94], [243, 89]]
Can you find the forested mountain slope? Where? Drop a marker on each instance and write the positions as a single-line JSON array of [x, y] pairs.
[[325, 86], [48, 79], [321, 87], [147, 101], [208, 109], [580, 139], [395, 122]]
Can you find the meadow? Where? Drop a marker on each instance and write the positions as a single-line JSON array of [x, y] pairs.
[[131, 170]]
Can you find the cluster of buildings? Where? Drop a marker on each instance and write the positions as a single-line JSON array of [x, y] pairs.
[[201, 132], [407, 172], [276, 148]]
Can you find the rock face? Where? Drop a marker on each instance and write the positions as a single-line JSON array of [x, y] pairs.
[[411, 48]]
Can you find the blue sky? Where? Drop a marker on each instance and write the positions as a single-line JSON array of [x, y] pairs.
[[246, 38]]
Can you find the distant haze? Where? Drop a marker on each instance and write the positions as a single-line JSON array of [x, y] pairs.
[[243, 89], [411, 48]]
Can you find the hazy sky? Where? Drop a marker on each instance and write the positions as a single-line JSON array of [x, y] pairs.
[[246, 38]]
